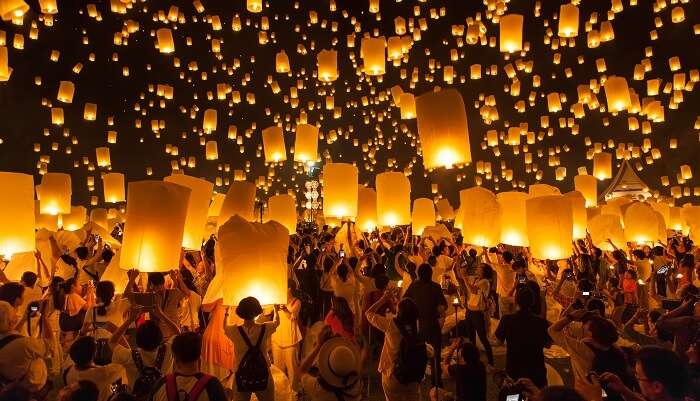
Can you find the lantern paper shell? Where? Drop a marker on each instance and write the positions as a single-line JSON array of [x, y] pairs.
[[76, 219], [156, 213], [103, 158], [340, 190], [252, 259], [17, 209], [550, 225], [602, 165], [513, 223], [166, 44], [366, 208], [373, 52], [393, 199], [511, 33], [423, 215], [568, 20], [10, 9], [407, 104], [197, 209], [578, 208], [641, 225], [306, 143], [240, 200], [481, 217], [254, 6], [211, 149], [54, 193], [617, 93], [216, 203], [588, 186], [327, 65], [113, 185], [282, 62], [283, 210], [443, 130], [99, 217], [66, 90], [273, 144], [536, 190], [603, 227], [445, 210]]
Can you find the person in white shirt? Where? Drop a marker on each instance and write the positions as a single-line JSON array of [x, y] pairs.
[[103, 319], [286, 339], [81, 367], [190, 304]]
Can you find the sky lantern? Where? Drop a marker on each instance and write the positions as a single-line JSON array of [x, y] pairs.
[[273, 144], [254, 6], [54, 193], [90, 112], [423, 215], [587, 185], [211, 150], [306, 143], [282, 62], [210, 120], [366, 208], [568, 20], [578, 208], [443, 129], [252, 260], [217, 202], [536, 190], [393, 199], [156, 213], [48, 6], [5, 70], [603, 227], [99, 217], [407, 103], [513, 223], [445, 210], [550, 226], [113, 186], [10, 9], [617, 93], [373, 53], [66, 90], [686, 172], [340, 190], [675, 221], [102, 156], [197, 208], [602, 165], [17, 210], [641, 224], [166, 44], [327, 65], [511, 33], [284, 211], [481, 216], [374, 6], [240, 200], [76, 219]]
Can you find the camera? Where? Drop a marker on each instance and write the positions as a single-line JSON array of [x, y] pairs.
[[33, 307], [341, 253], [508, 389]]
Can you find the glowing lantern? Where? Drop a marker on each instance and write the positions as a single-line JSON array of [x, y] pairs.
[[240, 200], [66, 90], [443, 130], [76, 219], [393, 199], [340, 190], [283, 210], [273, 144], [99, 216], [48, 6], [113, 185], [197, 209], [407, 103], [686, 172], [10, 9], [602, 165], [155, 222], [210, 120], [366, 209], [254, 6], [568, 20], [374, 6], [90, 112], [373, 54], [423, 215], [252, 259], [54, 193], [578, 208], [617, 93], [5, 70], [675, 221], [513, 223], [603, 227], [102, 156], [481, 216], [216, 203], [641, 224], [445, 210], [211, 149], [587, 185], [536, 190], [17, 208], [166, 44], [282, 62], [511, 33], [327, 65], [549, 226], [306, 143]]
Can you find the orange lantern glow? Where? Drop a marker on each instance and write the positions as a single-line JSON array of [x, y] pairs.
[[393, 199], [513, 222], [273, 144], [366, 209], [443, 130], [54, 193], [550, 225], [423, 215], [17, 208], [113, 186], [240, 200], [481, 216], [306, 143], [197, 208], [511, 33], [283, 210], [340, 190]]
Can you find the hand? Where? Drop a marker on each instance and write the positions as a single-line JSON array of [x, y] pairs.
[[529, 389], [613, 382], [37, 254], [132, 274]]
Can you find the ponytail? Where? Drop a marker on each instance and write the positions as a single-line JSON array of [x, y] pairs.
[[104, 290]]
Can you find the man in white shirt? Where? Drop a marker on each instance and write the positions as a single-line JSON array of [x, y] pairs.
[[81, 367]]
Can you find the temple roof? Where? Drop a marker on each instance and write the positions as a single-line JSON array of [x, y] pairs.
[[625, 183]]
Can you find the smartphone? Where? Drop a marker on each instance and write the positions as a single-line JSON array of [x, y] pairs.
[[586, 293], [341, 253], [662, 270], [522, 279], [513, 397]]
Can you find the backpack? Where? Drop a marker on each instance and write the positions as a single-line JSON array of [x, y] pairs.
[[252, 374], [412, 359], [172, 392], [103, 352], [148, 375], [68, 323]]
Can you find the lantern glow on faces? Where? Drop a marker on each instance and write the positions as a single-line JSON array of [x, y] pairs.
[[197, 209], [481, 216], [423, 215], [550, 225], [17, 206], [443, 130], [513, 223], [340, 190], [393, 199]]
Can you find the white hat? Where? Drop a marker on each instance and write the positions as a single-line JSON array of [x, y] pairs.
[[338, 362]]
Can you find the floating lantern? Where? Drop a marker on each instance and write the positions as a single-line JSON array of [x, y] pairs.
[[54, 193], [587, 185], [686, 172], [48, 6], [603, 227], [306, 143], [536, 190], [423, 215], [156, 213], [443, 130], [282, 62], [445, 210], [481, 216], [102, 156], [5, 70], [99, 217], [393, 199], [373, 54], [166, 44], [407, 103], [327, 65], [211, 150], [254, 6], [215, 206], [340, 190], [90, 112], [568, 20], [578, 208], [284, 211], [511, 33], [366, 209], [273, 144], [641, 225], [197, 208], [210, 120], [617, 94], [113, 185], [240, 200], [513, 222], [17, 208], [602, 166], [76, 219], [550, 226], [10, 9]]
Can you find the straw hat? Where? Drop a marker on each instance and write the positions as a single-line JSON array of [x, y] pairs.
[[338, 361]]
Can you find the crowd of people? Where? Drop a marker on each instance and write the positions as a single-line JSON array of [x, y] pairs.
[[422, 313]]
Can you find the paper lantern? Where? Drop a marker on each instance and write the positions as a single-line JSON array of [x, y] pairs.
[[76, 219], [641, 225], [602, 165], [90, 112], [306, 143], [366, 209], [513, 223], [675, 221], [481, 217], [407, 104], [282, 62], [327, 65], [44, 221], [156, 212], [103, 158], [568, 20], [5, 70], [54, 193], [217, 202], [17, 210], [443, 130], [511, 33], [393, 199], [617, 94], [373, 54], [113, 185], [374, 6], [10, 9], [588, 186], [550, 225], [423, 215], [340, 190], [166, 44], [603, 227], [284, 211], [66, 90], [211, 150], [254, 6], [48, 6], [210, 120], [445, 210], [197, 209], [99, 217], [686, 172], [273, 144], [536, 190], [251, 261], [578, 208], [240, 200]]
